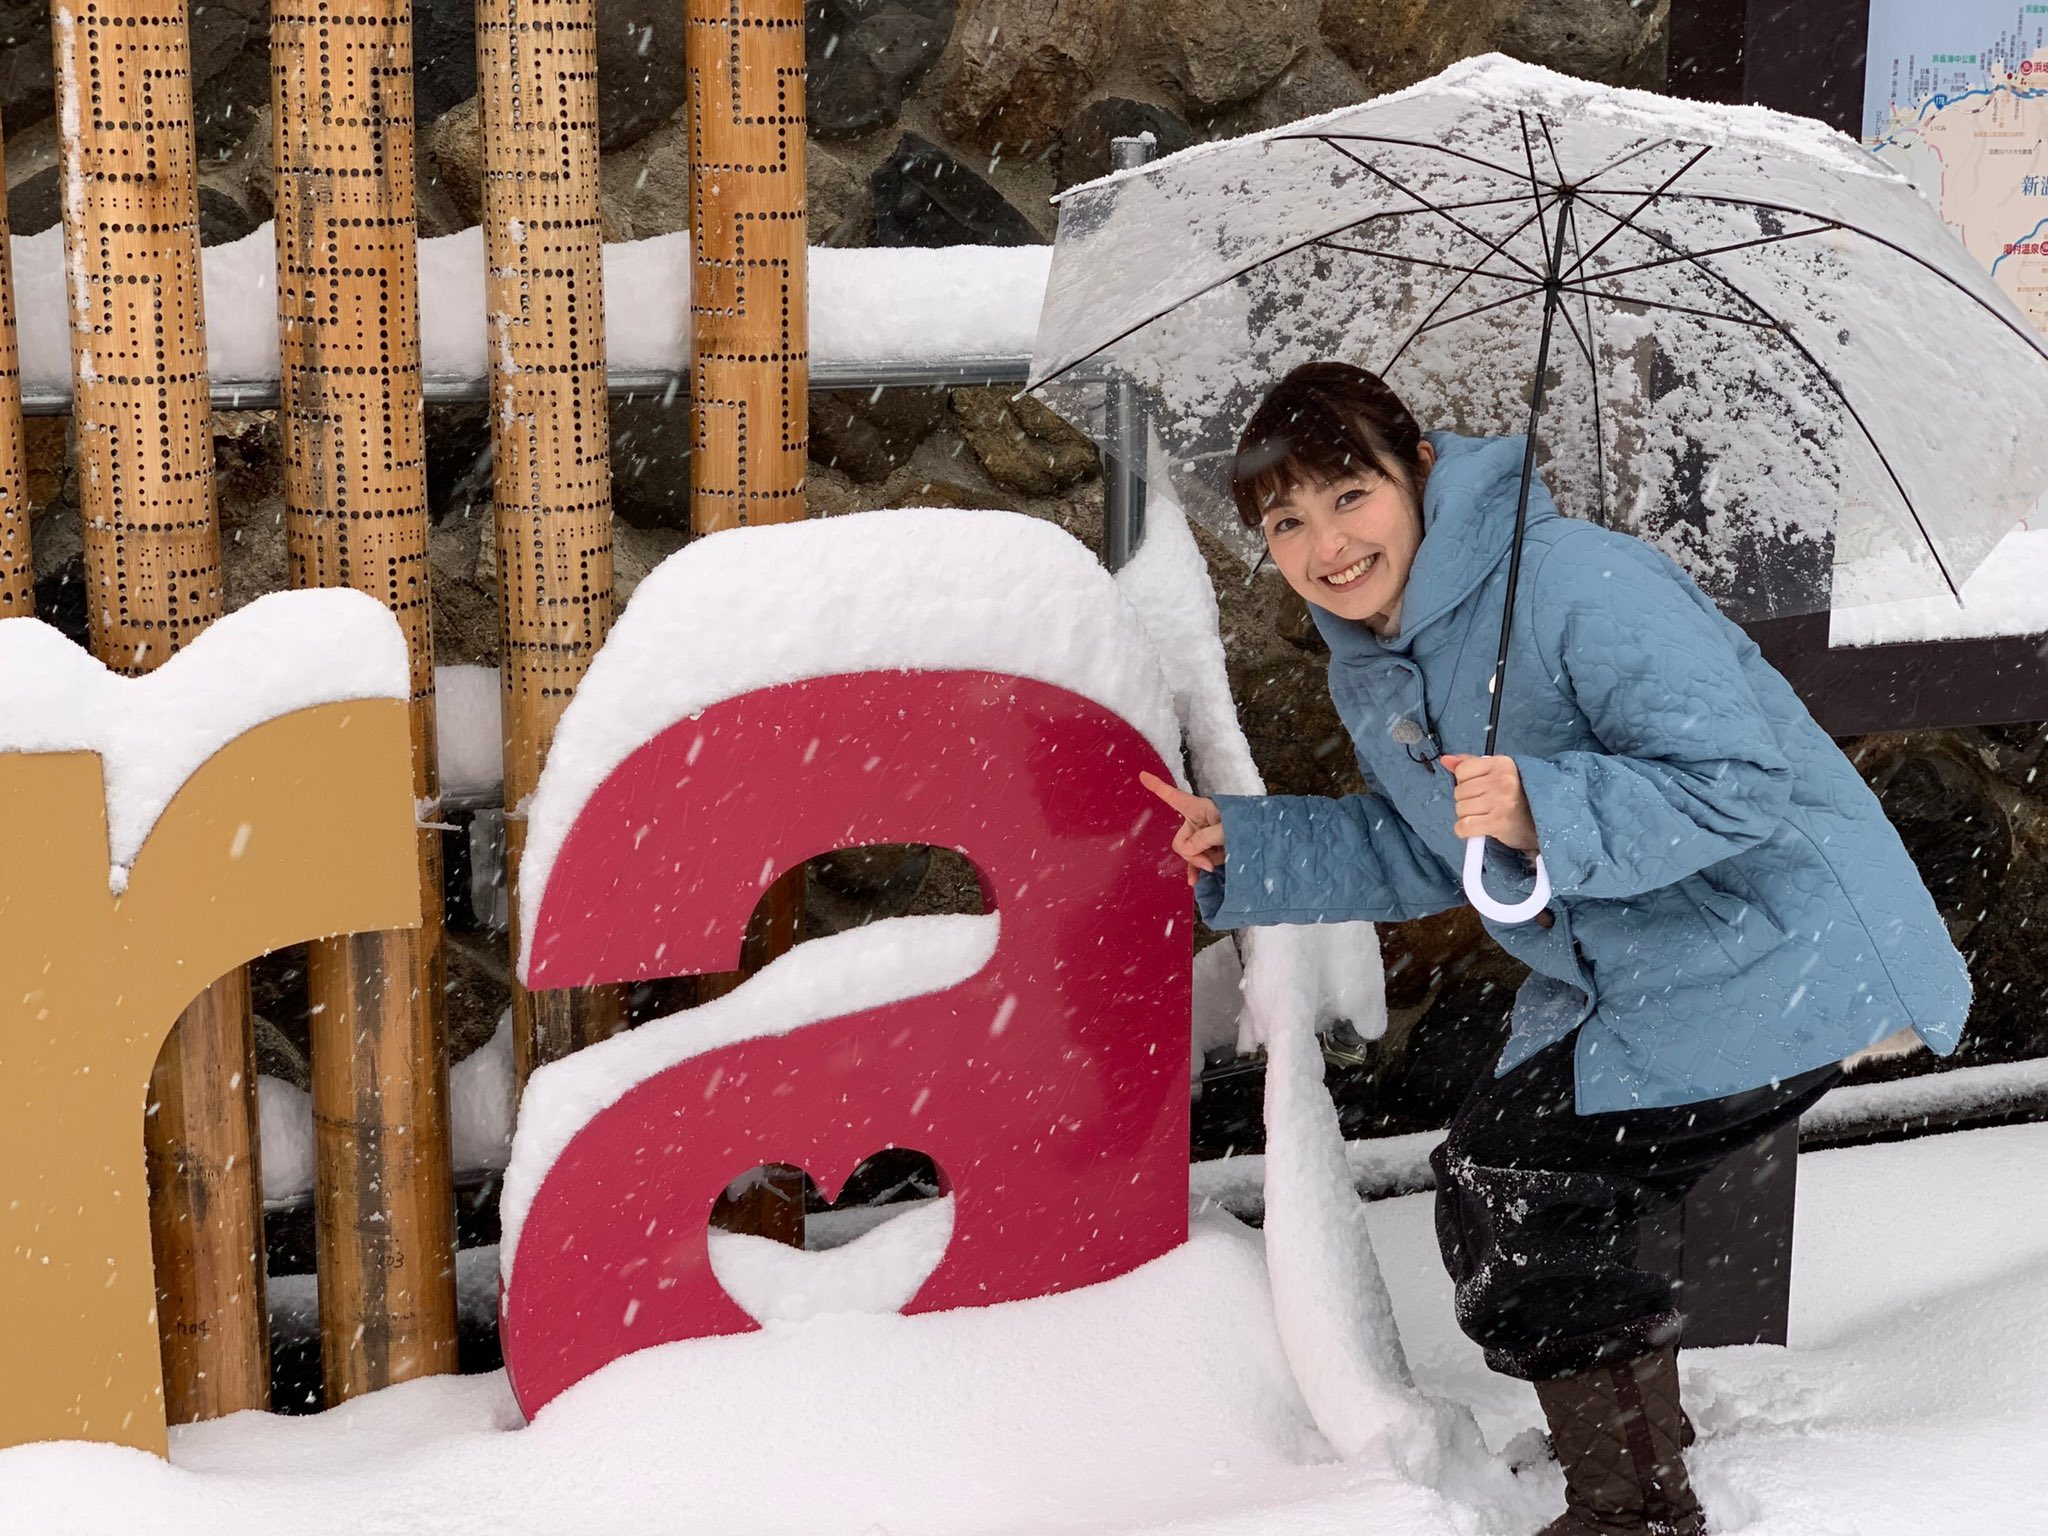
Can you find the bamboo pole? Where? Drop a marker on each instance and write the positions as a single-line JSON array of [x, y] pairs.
[[152, 560], [551, 487], [356, 516], [17, 565], [750, 368]]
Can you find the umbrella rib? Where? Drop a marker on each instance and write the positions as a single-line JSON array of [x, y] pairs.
[[1424, 261], [1828, 377], [1677, 255], [1458, 224], [1288, 250], [2034, 342], [1589, 345], [1665, 305], [1617, 164], [1627, 220], [1331, 139], [1448, 294], [1467, 314]]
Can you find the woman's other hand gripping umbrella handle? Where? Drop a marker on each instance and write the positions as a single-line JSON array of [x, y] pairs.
[[1491, 804]]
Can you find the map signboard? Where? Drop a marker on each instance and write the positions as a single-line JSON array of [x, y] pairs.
[[1956, 97]]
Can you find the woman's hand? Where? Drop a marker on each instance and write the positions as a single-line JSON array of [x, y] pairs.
[[1490, 801], [1200, 838]]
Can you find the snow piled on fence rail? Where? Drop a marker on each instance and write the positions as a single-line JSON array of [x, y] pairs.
[[284, 652], [969, 301]]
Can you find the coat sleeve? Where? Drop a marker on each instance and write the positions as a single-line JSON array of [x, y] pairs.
[[1312, 859], [1692, 773]]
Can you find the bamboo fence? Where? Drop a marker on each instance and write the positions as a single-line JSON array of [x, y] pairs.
[[550, 428], [17, 567], [750, 367], [350, 408], [152, 559], [356, 516]]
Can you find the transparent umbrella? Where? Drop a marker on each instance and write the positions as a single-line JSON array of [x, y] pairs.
[[1728, 331]]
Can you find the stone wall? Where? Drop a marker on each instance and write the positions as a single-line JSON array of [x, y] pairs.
[[938, 122]]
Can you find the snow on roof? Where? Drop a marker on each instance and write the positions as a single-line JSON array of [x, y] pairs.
[[285, 652], [914, 587]]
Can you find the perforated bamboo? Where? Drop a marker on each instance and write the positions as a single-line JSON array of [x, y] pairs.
[[750, 371], [17, 567], [537, 99], [356, 516], [750, 367], [152, 564]]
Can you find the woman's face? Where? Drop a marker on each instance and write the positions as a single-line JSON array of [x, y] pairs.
[[1347, 545]]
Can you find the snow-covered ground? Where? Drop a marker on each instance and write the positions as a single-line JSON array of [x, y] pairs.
[[1914, 1400]]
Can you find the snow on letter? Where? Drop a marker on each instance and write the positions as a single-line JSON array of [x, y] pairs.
[[1006, 698]]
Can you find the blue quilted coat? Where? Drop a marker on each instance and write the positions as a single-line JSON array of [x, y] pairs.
[[1730, 904]]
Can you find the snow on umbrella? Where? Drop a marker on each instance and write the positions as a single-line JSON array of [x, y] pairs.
[[1743, 338]]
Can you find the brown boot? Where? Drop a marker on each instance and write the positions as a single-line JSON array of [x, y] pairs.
[[1616, 1430]]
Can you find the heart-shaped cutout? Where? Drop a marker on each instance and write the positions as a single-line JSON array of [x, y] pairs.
[[855, 1258]]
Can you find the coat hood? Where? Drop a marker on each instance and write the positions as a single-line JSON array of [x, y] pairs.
[[1468, 519]]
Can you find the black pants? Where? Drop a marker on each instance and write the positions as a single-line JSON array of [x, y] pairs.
[[1539, 1210]]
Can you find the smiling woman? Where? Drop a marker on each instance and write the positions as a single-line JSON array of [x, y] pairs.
[[1730, 913], [1331, 468]]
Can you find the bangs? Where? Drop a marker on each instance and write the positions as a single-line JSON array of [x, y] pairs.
[[1294, 442]]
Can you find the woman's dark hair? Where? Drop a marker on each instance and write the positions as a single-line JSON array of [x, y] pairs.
[[1320, 423]]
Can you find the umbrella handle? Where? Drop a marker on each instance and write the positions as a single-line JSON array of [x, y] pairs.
[[1500, 911]]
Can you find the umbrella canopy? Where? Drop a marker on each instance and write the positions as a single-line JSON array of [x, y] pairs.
[[1769, 356]]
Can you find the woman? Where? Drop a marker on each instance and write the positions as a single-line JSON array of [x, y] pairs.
[[1731, 914]]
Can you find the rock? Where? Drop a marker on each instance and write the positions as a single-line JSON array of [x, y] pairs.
[[277, 1056], [223, 217], [443, 57], [645, 189], [947, 493], [33, 202], [651, 445], [1219, 52], [1024, 66], [924, 197], [1083, 152], [1394, 43], [27, 67], [453, 150], [1617, 42], [1021, 442], [479, 990], [836, 199], [860, 56], [866, 434], [635, 554], [44, 450], [1314, 83], [230, 71], [641, 79]]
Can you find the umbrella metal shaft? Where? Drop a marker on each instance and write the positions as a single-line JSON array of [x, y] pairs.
[[1551, 299]]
